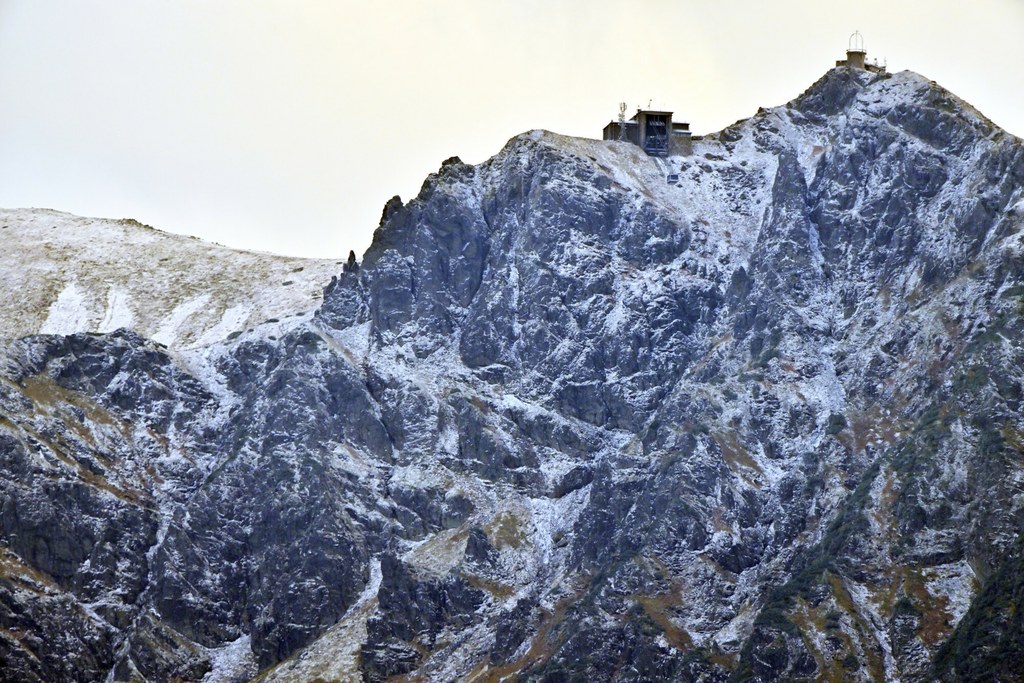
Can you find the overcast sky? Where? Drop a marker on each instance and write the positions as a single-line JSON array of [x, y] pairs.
[[285, 125]]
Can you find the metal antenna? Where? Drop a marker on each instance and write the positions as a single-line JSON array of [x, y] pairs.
[[622, 120], [856, 42]]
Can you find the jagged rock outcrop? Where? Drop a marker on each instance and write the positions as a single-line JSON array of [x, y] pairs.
[[567, 421]]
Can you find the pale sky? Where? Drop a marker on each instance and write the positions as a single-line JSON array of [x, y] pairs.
[[285, 125]]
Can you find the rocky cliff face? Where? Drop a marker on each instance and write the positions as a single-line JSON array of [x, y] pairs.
[[567, 421]]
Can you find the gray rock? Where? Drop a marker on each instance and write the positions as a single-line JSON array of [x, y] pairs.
[[565, 422]]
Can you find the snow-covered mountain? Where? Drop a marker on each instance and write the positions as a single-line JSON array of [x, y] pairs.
[[567, 420], [64, 274]]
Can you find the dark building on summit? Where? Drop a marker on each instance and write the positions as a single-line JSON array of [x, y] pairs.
[[656, 133], [653, 131]]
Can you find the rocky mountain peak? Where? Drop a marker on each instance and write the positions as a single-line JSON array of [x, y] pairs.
[[751, 413]]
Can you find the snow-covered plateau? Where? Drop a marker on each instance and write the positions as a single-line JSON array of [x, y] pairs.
[[565, 420]]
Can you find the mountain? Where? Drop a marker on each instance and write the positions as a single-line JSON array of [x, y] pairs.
[[68, 274], [569, 421]]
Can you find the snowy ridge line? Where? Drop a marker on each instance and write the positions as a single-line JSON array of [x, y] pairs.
[[97, 275]]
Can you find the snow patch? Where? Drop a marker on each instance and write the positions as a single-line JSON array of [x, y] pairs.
[[168, 332], [232, 320], [956, 583], [69, 313], [232, 662], [119, 312]]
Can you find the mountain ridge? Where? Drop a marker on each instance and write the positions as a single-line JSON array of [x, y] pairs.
[[566, 419], [95, 275]]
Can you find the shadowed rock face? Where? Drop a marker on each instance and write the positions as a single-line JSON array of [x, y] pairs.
[[566, 421]]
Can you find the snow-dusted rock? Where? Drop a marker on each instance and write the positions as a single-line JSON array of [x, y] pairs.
[[568, 421], [64, 274]]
